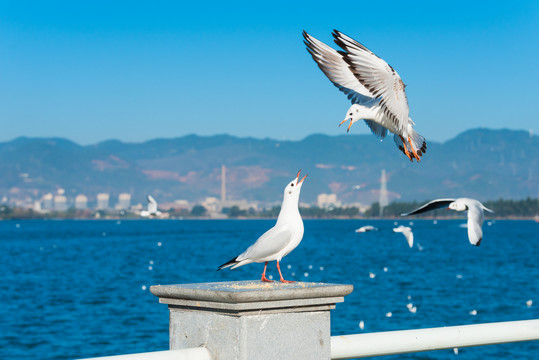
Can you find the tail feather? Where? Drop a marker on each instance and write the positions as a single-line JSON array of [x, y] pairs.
[[418, 142], [229, 263]]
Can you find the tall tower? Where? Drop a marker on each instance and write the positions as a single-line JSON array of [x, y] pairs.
[[383, 193], [223, 183]]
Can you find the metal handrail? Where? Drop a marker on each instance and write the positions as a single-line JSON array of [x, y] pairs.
[[406, 341]]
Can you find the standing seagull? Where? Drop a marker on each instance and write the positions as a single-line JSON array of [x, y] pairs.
[[374, 88], [281, 239], [475, 214]]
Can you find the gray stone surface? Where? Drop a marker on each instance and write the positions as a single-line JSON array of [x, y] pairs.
[[249, 291], [251, 319], [291, 336]]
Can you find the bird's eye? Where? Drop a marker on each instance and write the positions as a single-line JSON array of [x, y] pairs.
[[350, 114], [292, 184]]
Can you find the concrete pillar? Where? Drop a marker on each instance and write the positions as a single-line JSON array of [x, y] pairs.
[[252, 320]]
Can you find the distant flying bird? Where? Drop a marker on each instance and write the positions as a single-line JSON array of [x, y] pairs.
[[366, 228], [152, 208], [374, 88], [407, 232], [475, 214], [281, 239]]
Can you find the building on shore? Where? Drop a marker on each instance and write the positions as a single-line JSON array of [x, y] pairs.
[[81, 202], [124, 201], [182, 204], [211, 204], [60, 203], [327, 201], [102, 201], [47, 202]]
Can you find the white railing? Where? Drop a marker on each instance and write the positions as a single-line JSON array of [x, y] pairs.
[[406, 341], [388, 342], [183, 354]]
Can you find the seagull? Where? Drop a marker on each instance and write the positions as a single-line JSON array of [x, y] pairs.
[[362, 325], [152, 208], [366, 228], [407, 232], [375, 89], [281, 239], [475, 214]]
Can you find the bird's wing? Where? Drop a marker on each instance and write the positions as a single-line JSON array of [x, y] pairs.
[[271, 242], [433, 205], [376, 129], [378, 77], [337, 70], [475, 220], [152, 204], [409, 236], [407, 232]]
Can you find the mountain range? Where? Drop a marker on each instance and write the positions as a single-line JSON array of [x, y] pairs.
[[480, 163]]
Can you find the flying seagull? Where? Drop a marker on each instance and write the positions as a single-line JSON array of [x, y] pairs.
[[407, 232], [366, 228], [152, 208], [281, 239], [475, 214], [374, 88]]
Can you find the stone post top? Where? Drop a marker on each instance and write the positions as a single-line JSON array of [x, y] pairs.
[[250, 291]]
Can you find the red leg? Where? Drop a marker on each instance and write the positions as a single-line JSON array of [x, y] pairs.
[[282, 279], [405, 149], [264, 279], [413, 150]]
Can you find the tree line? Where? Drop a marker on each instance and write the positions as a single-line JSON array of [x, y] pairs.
[[526, 208]]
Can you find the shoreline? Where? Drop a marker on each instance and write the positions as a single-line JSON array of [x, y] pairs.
[[265, 218]]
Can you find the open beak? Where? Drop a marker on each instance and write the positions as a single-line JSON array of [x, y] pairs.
[[349, 125], [297, 177]]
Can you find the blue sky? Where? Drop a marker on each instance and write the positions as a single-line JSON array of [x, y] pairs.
[[140, 70]]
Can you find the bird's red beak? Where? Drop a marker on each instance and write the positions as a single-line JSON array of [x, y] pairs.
[[297, 177]]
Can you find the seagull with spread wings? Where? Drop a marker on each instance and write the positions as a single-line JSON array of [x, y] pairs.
[[407, 232], [475, 214], [375, 89], [152, 208]]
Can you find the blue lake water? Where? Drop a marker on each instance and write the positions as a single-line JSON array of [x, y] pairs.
[[75, 289]]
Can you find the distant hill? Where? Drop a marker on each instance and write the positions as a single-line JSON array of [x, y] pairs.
[[480, 163]]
